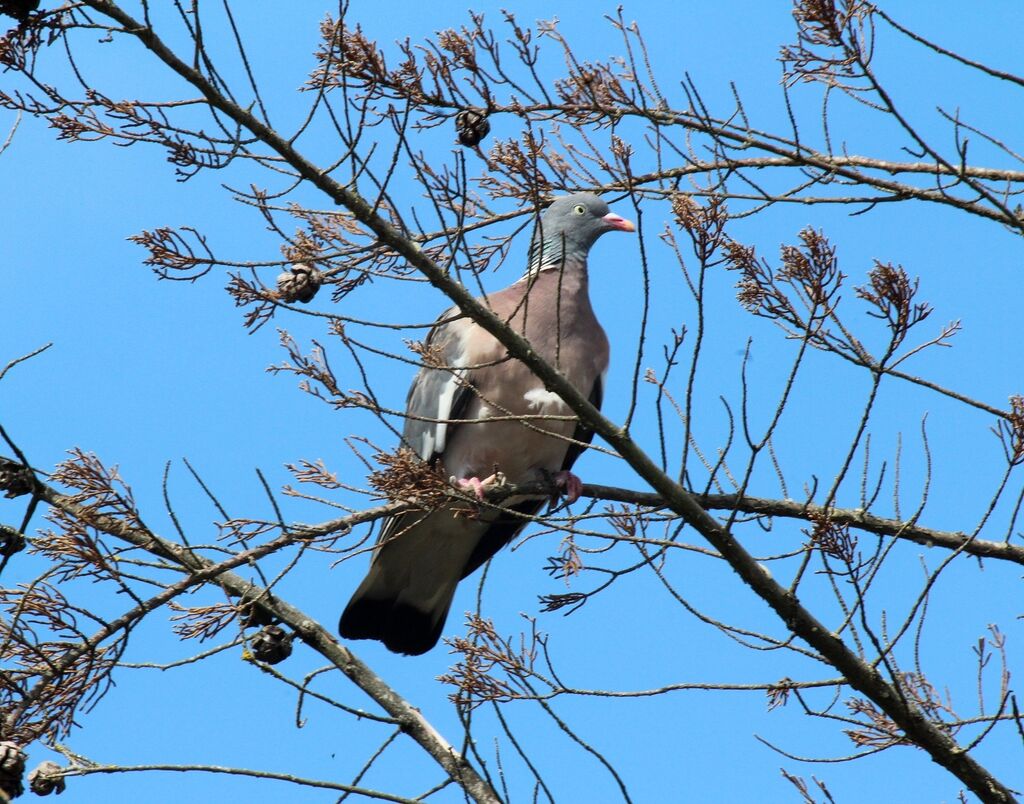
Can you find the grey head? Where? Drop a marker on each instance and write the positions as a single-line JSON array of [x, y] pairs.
[[569, 227]]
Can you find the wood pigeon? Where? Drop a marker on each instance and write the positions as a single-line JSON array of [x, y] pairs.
[[452, 411]]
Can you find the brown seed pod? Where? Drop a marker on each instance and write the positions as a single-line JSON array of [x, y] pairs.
[[11, 541], [471, 126], [12, 768], [272, 644], [15, 479], [300, 283], [46, 779]]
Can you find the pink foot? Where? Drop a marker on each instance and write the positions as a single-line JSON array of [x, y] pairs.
[[474, 483], [479, 487], [569, 484]]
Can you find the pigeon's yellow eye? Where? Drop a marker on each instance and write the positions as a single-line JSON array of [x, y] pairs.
[[579, 209]]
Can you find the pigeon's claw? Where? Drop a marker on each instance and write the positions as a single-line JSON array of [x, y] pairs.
[[478, 486], [568, 484]]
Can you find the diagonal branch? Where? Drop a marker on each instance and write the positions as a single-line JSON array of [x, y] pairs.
[[202, 570]]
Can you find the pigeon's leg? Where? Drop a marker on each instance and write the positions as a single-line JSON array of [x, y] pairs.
[[479, 487], [569, 484]]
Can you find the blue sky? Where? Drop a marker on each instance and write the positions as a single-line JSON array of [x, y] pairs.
[[144, 372]]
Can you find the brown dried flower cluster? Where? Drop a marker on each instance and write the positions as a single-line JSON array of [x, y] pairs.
[[484, 653], [892, 293], [833, 44], [174, 253], [408, 478], [1010, 431], [834, 539], [879, 731], [51, 670]]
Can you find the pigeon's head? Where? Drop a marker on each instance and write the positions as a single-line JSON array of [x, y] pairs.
[[572, 224], [581, 218]]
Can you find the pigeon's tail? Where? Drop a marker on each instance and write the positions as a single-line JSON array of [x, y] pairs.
[[404, 623], [404, 599]]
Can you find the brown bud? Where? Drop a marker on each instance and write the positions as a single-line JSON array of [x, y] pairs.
[[272, 644], [11, 541], [46, 778], [12, 768], [15, 479], [300, 283], [471, 126]]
